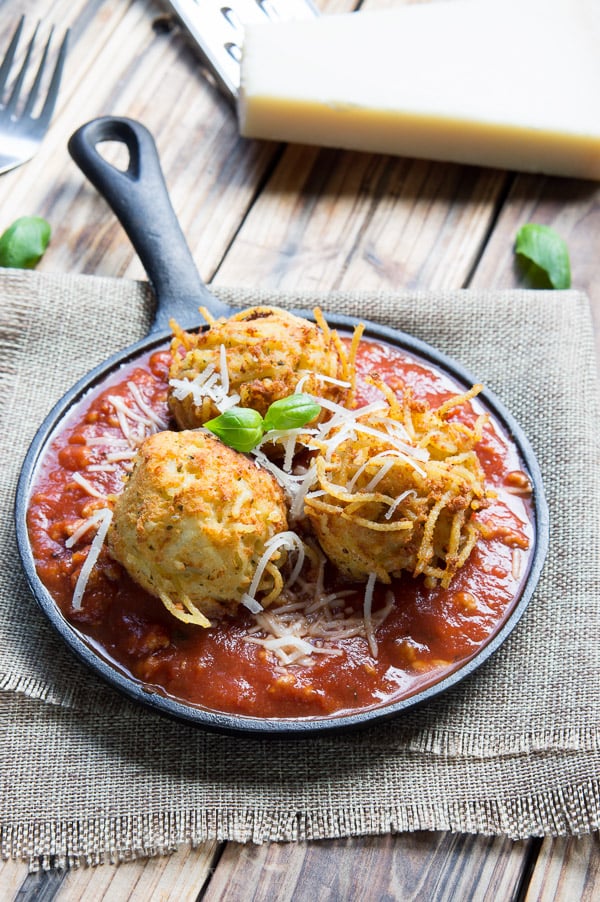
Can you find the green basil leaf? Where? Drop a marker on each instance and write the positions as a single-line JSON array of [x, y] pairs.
[[547, 252], [239, 427], [292, 412], [23, 244]]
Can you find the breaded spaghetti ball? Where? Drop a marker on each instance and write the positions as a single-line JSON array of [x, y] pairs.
[[191, 525], [399, 492], [254, 358]]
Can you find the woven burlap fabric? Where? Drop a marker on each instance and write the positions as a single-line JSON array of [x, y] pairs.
[[512, 750]]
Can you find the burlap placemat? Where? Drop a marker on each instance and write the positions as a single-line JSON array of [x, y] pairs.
[[512, 750]]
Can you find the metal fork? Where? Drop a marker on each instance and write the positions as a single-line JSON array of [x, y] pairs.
[[21, 133]]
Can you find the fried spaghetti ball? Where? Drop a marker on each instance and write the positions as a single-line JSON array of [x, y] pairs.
[[191, 525], [397, 492], [254, 358]]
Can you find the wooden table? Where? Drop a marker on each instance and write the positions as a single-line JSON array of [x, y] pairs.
[[261, 213]]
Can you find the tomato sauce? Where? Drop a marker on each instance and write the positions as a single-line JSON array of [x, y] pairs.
[[428, 634]]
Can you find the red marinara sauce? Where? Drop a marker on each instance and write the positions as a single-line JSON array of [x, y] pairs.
[[429, 632]]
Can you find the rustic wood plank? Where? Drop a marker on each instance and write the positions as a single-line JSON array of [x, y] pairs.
[[12, 876], [567, 868], [569, 206], [40, 886], [142, 74], [178, 876], [435, 866], [119, 64], [331, 220]]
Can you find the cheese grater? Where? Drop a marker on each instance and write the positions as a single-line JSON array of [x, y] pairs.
[[217, 27]]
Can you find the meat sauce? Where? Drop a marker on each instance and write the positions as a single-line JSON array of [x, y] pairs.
[[429, 632]]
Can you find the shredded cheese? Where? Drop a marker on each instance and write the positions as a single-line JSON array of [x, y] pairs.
[[392, 508], [252, 604], [388, 461], [87, 486], [290, 439], [137, 420], [320, 377], [118, 456], [93, 520], [367, 610], [302, 490], [289, 482], [517, 564], [287, 540], [141, 402], [223, 369], [102, 519], [343, 415], [111, 441], [298, 631], [121, 406], [289, 649], [211, 383]]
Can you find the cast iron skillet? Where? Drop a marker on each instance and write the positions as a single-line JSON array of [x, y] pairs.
[[139, 198]]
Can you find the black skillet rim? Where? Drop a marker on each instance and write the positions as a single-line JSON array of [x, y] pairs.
[[281, 727]]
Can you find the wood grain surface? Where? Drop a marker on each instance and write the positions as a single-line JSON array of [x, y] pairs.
[[289, 217]]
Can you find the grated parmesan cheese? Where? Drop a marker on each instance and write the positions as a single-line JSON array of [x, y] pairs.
[[121, 406], [223, 369], [341, 415], [289, 439], [290, 482], [211, 383], [367, 607], [287, 540], [118, 456], [87, 486], [141, 402], [110, 440], [390, 511], [516, 564], [252, 604], [388, 458], [321, 378], [93, 520], [297, 631], [102, 519]]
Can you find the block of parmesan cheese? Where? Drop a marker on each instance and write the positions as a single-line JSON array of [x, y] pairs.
[[513, 84]]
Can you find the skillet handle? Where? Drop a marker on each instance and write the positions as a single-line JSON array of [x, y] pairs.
[[139, 198]]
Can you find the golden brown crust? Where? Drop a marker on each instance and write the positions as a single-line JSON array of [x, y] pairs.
[[383, 511], [192, 522], [268, 351]]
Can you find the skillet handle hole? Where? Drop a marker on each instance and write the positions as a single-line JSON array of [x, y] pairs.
[[115, 153]]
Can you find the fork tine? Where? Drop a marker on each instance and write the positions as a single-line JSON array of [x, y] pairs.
[[14, 96], [22, 133], [46, 114], [10, 55], [38, 78]]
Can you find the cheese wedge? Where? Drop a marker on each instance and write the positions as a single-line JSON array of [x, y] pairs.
[[513, 84]]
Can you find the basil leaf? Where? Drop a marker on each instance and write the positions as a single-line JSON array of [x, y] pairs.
[[547, 252], [23, 244], [242, 428], [239, 427], [292, 412]]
